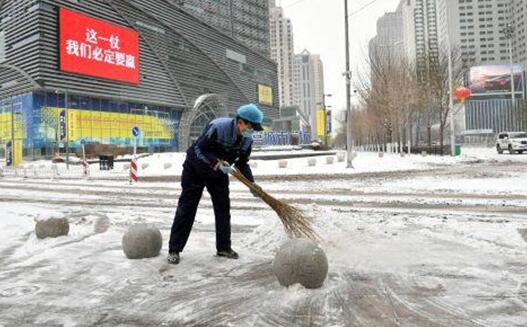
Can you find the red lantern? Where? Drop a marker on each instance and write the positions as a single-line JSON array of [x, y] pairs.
[[461, 93]]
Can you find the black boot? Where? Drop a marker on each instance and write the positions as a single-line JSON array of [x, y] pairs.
[[173, 258], [229, 253]]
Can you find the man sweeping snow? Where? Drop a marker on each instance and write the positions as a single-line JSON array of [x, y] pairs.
[[224, 142]]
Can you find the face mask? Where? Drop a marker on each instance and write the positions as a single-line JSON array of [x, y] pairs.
[[248, 133]]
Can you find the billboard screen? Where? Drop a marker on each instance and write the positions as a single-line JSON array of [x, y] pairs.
[[93, 47], [495, 79]]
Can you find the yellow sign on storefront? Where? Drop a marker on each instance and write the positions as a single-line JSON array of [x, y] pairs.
[[265, 94], [88, 124], [321, 123], [6, 125], [8, 121], [18, 153]]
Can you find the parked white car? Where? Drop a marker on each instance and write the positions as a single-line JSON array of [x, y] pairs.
[[512, 142]]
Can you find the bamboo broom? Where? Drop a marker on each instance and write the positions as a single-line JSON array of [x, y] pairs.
[[296, 224]]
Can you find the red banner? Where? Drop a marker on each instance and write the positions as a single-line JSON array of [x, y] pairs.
[[93, 47]]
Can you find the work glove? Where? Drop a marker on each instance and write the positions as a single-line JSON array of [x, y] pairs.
[[226, 168], [255, 194]]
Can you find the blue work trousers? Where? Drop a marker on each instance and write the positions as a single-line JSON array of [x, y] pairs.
[[194, 179]]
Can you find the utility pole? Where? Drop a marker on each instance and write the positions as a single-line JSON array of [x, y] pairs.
[[349, 140]]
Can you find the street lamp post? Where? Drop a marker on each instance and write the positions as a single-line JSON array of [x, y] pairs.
[[347, 74], [450, 100], [509, 33]]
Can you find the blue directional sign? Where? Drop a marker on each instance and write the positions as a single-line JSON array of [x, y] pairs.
[[135, 131], [328, 122], [83, 142], [9, 153]]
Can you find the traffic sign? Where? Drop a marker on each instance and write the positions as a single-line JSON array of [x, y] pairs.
[[135, 131], [83, 142]]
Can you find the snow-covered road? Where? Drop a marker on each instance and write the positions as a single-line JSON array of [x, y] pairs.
[[440, 246]]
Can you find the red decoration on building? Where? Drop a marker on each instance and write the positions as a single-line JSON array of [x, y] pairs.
[[462, 93], [93, 47]]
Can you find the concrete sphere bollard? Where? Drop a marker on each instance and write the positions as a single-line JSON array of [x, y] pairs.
[[312, 162], [253, 164], [145, 165], [142, 241], [126, 167], [424, 153], [300, 261], [341, 156], [52, 227], [101, 224], [167, 165], [330, 160], [282, 164], [381, 154]]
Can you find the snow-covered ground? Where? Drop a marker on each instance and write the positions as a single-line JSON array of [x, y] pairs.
[[170, 164], [413, 241]]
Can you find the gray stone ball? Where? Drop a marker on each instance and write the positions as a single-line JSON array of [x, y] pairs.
[[52, 227], [101, 224], [300, 261], [142, 241]]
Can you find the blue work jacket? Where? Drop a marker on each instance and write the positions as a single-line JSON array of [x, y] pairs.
[[220, 141]]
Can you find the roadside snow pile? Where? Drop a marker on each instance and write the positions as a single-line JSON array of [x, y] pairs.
[[162, 164], [268, 237]]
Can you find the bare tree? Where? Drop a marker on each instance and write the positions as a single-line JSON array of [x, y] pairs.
[[439, 89], [389, 98]]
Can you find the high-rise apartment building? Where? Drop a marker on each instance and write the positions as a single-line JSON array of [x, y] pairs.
[[244, 20], [475, 29], [389, 38], [309, 86], [420, 32], [282, 52], [519, 23]]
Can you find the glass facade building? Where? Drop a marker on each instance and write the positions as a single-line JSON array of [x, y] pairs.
[[43, 122], [178, 74]]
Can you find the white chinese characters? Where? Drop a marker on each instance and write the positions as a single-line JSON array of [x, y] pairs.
[[93, 49]]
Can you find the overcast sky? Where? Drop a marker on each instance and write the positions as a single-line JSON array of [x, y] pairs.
[[318, 25]]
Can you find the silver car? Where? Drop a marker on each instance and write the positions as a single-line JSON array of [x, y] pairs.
[[512, 142]]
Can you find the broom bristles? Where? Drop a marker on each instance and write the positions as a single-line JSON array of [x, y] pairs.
[[296, 223]]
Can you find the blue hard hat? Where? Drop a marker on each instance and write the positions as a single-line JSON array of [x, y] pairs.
[[252, 114]]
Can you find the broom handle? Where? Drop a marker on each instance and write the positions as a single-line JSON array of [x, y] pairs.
[[236, 173]]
